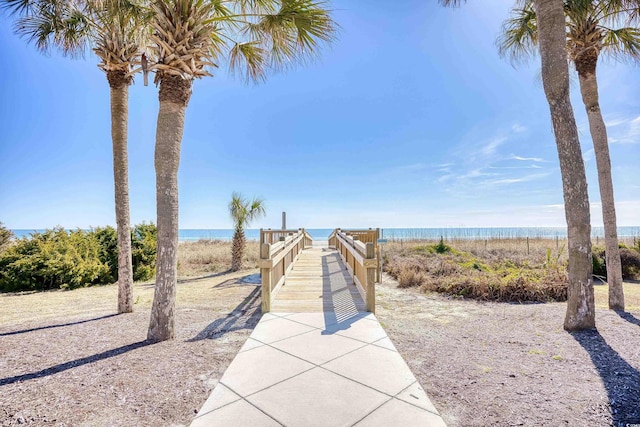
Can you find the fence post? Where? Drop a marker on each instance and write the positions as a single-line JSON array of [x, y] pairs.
[[371, 280], [265, 252]]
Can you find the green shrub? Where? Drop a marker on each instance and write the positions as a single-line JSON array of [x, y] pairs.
[[630, 260], [441, 248], [599, 261], [5, 236], [70, 259], [52, 259], [143, 251], [108, 239]]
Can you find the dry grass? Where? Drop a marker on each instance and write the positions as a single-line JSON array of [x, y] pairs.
[[506, 271], [516, 250], [631, 296], [212, 256], [96, 301]]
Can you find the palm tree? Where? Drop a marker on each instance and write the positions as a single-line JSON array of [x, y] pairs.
[[555, 78], [257, 36], [243, 212], [589, 33], [114, 29]]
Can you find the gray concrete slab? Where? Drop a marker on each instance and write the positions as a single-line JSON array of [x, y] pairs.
[[317, 374]]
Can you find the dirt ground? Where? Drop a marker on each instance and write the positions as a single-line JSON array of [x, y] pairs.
[[513, 364], [89, 367], [66, 360]]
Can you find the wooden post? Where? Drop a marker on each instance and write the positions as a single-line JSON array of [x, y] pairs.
[[379, 256], [371, 280], [265, 251]]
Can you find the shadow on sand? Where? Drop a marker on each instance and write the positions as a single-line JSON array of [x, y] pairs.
[[61, 325], [245, 316], [629, 317], [621, 380], [74, 363]]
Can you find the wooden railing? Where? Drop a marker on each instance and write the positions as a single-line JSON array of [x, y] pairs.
[[277, 259], [360, 259], [274, 236], [365, 236]]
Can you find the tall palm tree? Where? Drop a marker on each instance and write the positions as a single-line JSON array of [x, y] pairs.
[[592, 29], [114, 29], [257, 36], [243, 212], [555, 78]]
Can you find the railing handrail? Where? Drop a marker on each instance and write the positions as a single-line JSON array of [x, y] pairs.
[[361, 260], [277, 259], [273, 236]]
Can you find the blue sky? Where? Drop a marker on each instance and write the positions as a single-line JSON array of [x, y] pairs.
[[410, 119]]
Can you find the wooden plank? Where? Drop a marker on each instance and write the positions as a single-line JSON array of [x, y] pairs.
[[318, 282]]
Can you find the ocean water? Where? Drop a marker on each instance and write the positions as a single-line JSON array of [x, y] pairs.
[[191, 235]]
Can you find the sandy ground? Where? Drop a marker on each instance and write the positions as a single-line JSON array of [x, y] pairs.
[[511, 364], [96, 369], [66, 360]]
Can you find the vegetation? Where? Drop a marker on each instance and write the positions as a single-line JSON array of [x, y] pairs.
[[243, 212], [115, 30], [629, 261], [60, 259], [256, 37], [484, 276], [593, 28], [5, 236], [212, 256], [551, 42]]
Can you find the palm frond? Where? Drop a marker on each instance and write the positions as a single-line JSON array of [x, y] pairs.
[[243, 211], [294, 32], [19, 7], [622, 43], [519, 37], [185, 37], [250, 60], [55, 24]]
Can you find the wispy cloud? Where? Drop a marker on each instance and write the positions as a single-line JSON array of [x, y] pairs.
[[528, 159], [624, 131], [491, 146], [526, 178], [486, 164]]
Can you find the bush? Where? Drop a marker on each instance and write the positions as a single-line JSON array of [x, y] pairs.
[[599, 262], [461, 274], [52, 259], [108, 239], [5, 236], [143, 251], [630, 260], [70, 259], [410, 277]]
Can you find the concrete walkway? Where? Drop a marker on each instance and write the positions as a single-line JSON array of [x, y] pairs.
[[325, 368]]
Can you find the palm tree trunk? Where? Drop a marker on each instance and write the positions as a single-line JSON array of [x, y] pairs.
[[586, 67], [555, 78], [119, 85], [237, 249], [174, 97]]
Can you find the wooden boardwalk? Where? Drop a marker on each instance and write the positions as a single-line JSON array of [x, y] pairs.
[[319, 282]]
